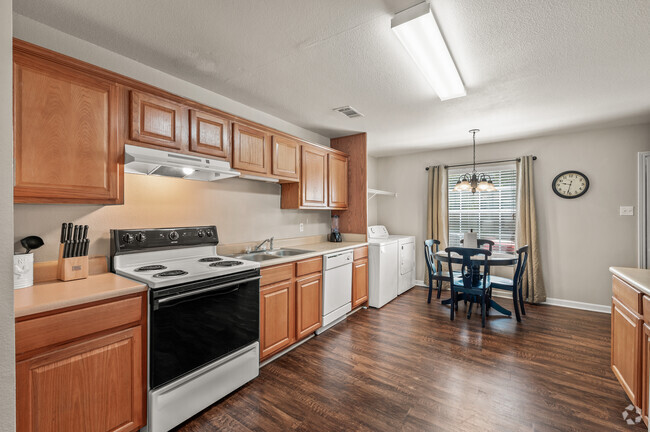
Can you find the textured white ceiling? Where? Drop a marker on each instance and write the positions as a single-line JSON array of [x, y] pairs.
[[530, 67]]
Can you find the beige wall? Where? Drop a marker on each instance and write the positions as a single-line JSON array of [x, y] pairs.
[[242, 210], [7, 380], [372, 184], [580, 238]]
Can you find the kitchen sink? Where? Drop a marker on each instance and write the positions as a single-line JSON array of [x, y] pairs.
[[270, 254]]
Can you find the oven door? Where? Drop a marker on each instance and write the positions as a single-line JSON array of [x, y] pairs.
[[194, 324]]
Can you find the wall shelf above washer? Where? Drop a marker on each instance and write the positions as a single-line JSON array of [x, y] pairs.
[[373, 192]]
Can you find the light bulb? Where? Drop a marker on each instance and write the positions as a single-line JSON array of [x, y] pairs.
[[188, 171]]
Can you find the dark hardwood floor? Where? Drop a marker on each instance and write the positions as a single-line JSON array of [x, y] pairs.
[[407, 367]]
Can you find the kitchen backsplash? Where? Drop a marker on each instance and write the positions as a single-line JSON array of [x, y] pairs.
[[242, 210]]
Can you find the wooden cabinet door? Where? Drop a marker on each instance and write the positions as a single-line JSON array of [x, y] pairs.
[[314, 177], [66, 145], [359, 282], [251, 149], [338, 181], [645, 372], [309, 305], [626, 349], [286, 158], [209, 134], [155, 121], [277, 312], [97, 385]]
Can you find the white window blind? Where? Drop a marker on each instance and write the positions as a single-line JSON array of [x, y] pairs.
[[490, 214]]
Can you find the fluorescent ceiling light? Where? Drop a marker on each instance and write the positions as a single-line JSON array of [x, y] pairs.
[[418, 31]]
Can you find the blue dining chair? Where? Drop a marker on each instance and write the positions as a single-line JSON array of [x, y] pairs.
[[472, 283], [514, 284], [434, 266]]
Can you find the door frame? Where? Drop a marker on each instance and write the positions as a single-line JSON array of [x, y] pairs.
[[643, 177]]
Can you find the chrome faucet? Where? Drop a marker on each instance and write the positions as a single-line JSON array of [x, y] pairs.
[[269, 240]]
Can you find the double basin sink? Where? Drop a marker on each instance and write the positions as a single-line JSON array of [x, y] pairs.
[[270, 254]]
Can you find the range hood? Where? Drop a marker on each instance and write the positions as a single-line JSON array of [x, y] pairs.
[[141, 160]]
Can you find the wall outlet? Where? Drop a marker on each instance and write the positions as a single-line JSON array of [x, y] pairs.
[[627, 211], [302, 227]]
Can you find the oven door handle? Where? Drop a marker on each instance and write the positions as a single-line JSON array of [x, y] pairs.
[[203, 291]]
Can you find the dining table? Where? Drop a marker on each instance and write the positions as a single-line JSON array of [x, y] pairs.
[[495, 259]]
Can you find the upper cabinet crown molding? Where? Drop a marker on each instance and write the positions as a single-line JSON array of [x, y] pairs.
[[66, 145]]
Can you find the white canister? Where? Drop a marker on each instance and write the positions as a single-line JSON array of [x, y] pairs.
[[469, 240], [23, 270]]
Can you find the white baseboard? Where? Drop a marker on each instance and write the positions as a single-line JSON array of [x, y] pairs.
[[551, 301], [579, 305]]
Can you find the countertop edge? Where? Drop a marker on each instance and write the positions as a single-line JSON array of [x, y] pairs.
[[639, 278], [63, 303], [312, 254]]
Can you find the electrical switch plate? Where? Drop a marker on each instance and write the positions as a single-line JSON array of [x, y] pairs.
[[627, 211], [302, 227]]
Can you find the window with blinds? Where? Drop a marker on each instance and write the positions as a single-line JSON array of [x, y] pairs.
[[490, 214]]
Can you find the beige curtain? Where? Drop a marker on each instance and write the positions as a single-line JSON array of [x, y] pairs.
[[533, 283], [437, 223]]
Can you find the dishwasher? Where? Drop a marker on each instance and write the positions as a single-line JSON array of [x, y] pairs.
[[337, 288]]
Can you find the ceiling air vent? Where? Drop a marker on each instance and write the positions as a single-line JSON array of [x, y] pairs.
[[349, 111]]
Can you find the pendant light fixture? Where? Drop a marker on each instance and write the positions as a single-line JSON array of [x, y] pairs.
[[475, 181]]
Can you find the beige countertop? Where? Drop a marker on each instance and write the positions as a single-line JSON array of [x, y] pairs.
[[639, 278], [52, 295], [315, 249]]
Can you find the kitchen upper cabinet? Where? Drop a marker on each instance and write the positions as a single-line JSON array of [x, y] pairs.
[[209, 134], [314, 177], [309, 305], [251, 149], [286, 158], [66, 145], [71, 376], [626, 348], [155, 121], [277, 314], [359, 282], [338, 181]]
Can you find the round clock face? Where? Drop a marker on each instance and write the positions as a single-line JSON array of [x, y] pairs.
[[570, 184]]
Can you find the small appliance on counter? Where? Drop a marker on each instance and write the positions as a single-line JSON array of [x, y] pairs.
[[335, 235], [73, 252], [24, 263]]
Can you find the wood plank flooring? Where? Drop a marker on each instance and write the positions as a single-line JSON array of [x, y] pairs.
[[407, 367]]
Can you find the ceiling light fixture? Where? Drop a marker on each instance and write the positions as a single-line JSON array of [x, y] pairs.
[[475, 181], [418, 31]]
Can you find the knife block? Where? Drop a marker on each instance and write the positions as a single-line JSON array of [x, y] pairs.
[[72, 268]]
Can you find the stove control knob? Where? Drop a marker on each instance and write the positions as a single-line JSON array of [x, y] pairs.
[[208, 233], [173, 236], [200, 233], [127, 238], [140, 237]]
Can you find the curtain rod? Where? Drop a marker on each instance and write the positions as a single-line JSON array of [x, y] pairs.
[[484, 163]]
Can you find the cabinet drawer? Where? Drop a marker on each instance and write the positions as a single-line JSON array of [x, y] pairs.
[[276, 273], [361, 252], [627, 295], [646, 309], [67, 326], [308, 266]]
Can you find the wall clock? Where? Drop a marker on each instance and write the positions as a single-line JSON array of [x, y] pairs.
[[570, 184]]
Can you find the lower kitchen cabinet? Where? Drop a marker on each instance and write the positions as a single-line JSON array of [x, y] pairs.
[[291, 304], [309, 302], [627, 327], [277, 314], [645, 372], [92, 383], [359, 282]]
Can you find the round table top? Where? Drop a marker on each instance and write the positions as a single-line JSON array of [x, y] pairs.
[[497, 258]]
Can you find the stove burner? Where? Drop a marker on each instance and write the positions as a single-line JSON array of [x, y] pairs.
[[170, 273], [151, 267], [226, 264], [210, 259]]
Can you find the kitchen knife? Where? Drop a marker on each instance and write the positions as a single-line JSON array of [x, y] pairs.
[[84, 242], [64, 229], [73, 246], [86, 245], [80, 241]]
